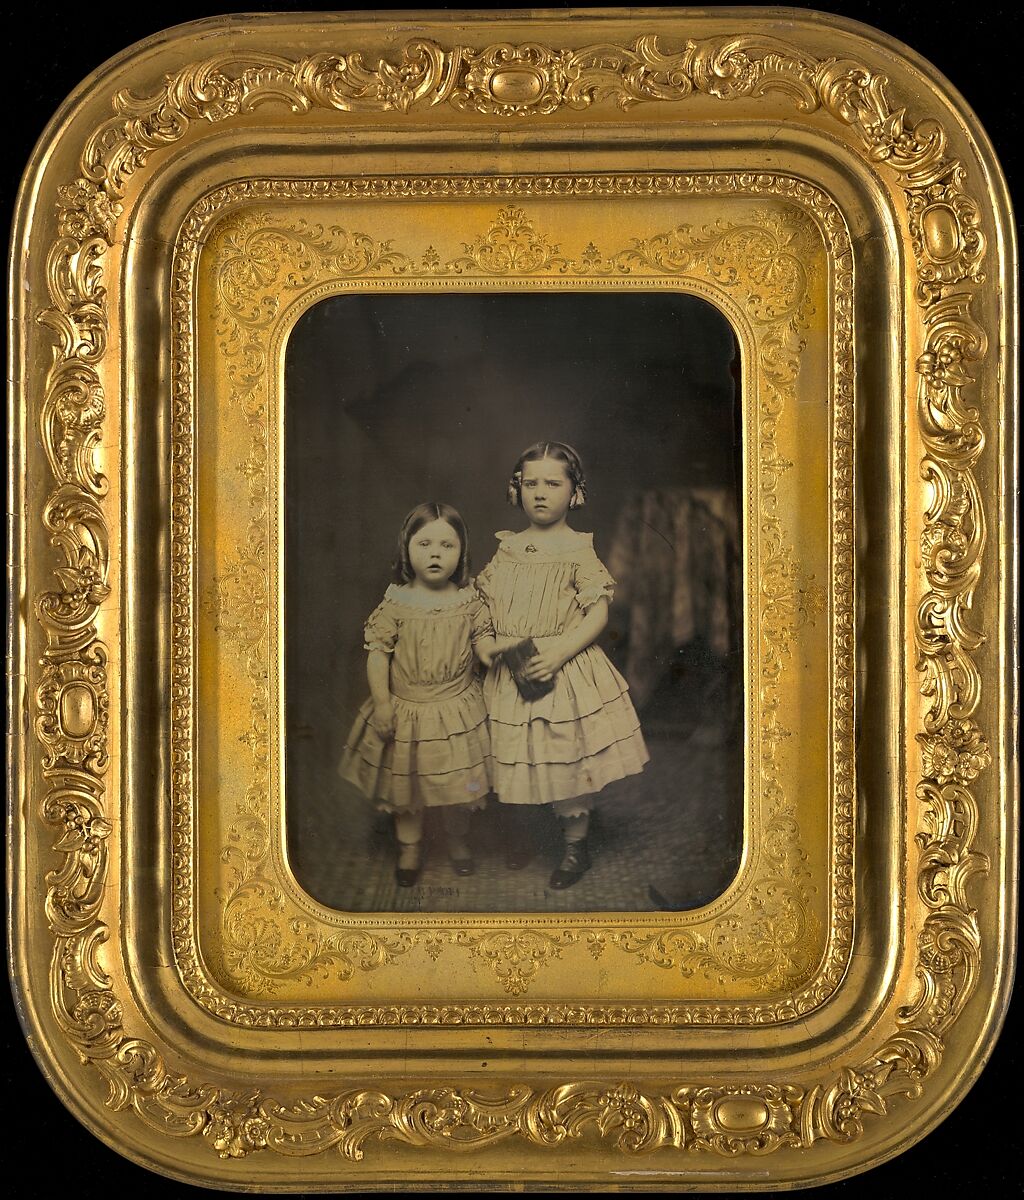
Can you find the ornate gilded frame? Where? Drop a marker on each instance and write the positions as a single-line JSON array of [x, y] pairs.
[[148, 151]]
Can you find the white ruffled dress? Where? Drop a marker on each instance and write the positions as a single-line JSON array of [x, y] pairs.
[[584, 734], [441, 752]]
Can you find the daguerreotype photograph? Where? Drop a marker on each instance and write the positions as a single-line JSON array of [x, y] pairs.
[[513, 630], [513, 605]]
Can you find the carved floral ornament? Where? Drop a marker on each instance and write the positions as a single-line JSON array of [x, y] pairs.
[[513, 83]]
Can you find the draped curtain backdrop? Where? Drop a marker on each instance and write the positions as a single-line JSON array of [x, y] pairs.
[[675, 554]]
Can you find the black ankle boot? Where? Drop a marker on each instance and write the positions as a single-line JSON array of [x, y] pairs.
[[574, 865], [408, 875]]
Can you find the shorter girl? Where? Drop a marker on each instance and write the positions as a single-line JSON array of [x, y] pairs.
[[421, 740]]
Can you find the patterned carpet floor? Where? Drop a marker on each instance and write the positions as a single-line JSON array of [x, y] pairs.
[[669, 838]]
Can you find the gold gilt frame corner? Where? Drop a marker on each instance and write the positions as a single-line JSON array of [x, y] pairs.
[[232, 121]]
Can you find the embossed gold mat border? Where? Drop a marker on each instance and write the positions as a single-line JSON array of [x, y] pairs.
[[268, 269]]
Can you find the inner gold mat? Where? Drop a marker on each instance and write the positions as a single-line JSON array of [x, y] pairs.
[[773, 255]]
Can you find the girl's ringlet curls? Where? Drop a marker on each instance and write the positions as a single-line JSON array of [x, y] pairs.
[[564, 454], [422, 515]]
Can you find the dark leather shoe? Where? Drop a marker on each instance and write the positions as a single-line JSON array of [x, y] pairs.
[[517, 857], [574, 865], [407, 876], [463, 866]]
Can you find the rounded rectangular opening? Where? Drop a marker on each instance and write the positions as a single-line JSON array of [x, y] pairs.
[[393, 400]]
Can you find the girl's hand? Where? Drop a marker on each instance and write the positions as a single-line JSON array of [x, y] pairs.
[[488, 649], [383, 720], [491, 649], [551, 656]]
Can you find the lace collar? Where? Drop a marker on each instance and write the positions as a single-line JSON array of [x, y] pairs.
[[425, 601], [519, 545]]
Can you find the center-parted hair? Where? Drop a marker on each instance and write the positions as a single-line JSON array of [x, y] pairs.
[[422, 515], [562, 453]]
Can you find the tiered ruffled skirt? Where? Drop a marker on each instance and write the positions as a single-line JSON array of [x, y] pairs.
[[440, 754], [580, 737]]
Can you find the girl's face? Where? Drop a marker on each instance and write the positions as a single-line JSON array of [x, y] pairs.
[[546, 491], [434, 552]]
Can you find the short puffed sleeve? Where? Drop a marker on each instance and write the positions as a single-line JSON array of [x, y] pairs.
[[593, 580], [381, 629], [480, 623], [483, 580]]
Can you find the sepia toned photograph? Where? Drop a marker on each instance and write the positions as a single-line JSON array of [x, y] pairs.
[[513, 617]]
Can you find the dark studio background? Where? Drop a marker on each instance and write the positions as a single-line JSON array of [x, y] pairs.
[[974, 1149], [392, 400]]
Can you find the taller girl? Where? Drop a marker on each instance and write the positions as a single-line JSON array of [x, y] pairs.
[[547, 585]]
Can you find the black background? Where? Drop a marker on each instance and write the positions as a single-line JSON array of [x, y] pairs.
[[50, 50]]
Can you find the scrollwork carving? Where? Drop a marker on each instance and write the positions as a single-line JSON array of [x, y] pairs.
[[949, 247], [515, 954], [953, 537], [743, 1120], [78, 530], [75, 889], [770, 936], [532, 80], [73, 703], [511, 246]]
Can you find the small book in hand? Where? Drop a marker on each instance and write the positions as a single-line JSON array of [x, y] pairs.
[[518, 658]]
